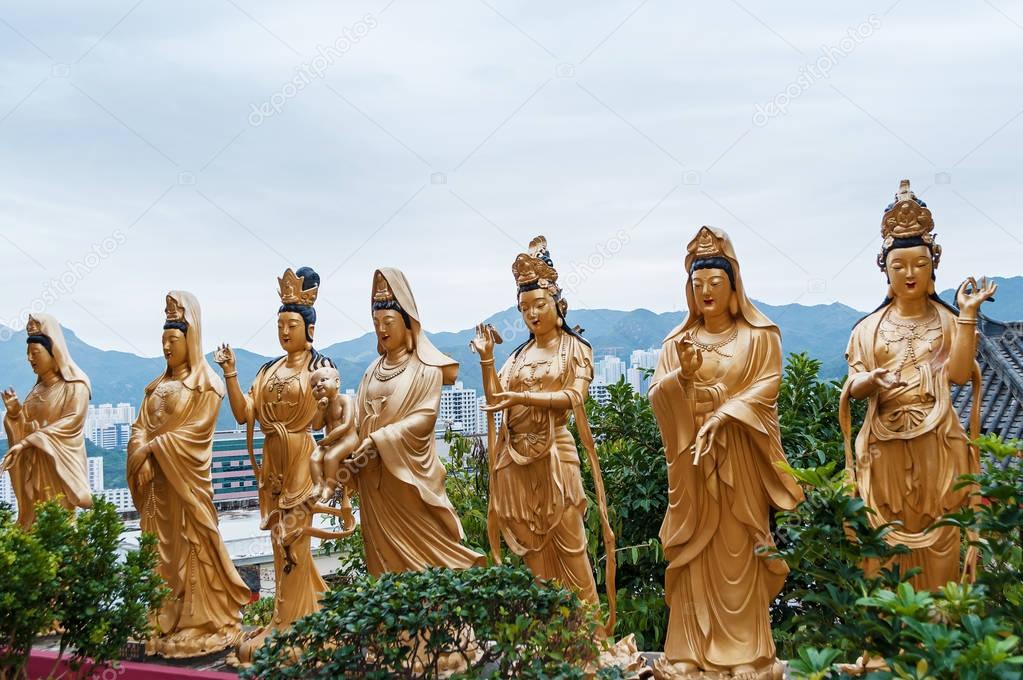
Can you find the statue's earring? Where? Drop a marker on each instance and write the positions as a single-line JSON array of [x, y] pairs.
[[409, 343], [891, 293], [560, 322], [733, 305], [930, 287]]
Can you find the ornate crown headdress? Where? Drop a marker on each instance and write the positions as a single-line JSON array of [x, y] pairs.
[[536, 267], [706, 244], [173, 310], [907, 217], [33, 327], [291, 293], [381, 289]]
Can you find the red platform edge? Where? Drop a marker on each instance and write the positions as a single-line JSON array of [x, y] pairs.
[[40, 663]]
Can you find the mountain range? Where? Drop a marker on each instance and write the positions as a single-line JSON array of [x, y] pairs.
[[821, 331]]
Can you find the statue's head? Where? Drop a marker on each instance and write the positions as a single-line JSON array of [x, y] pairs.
[[40, 354], [713, 282], [175, 347], [539, 301], [39, 348], [296, 318], [909, 255], [325, 381], [391, 322]]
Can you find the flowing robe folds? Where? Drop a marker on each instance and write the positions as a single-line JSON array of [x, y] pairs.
[[717, 587], [53, 462], [912, 448], [408, 523], [537, 487], [176, 424]]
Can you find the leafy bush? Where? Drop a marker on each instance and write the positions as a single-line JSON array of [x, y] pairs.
[[95, 598], [27, 590], [635, 473], [403, 624], [258, 613]]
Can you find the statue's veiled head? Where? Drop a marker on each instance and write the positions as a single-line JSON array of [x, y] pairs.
[[391, 323]]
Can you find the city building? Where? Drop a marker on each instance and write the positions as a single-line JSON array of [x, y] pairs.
[[120, 497], [641, 363], [598, 392], [481, 418], [109, 426], [94, 469], [458, 410], [610, 369]]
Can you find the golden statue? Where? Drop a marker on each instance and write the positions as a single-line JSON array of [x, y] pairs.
[[169, 457], [47, 457], [714, 394], [408, 523], [281, 399], [537, 501], [903, 358], [337, 418]]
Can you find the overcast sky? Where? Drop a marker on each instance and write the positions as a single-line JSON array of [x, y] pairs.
[[208, 145]]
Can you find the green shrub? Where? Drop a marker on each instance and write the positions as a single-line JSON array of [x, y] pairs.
[[96, 598], [536, 630], [258, 613], [27, 591]]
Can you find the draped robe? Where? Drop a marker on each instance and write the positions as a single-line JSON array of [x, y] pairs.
[[53, 460], [717, 587], [408, 523], [207, 594], [912, 449], [537, 487]]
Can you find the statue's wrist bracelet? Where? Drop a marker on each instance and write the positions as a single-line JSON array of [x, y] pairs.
[[233, 374]]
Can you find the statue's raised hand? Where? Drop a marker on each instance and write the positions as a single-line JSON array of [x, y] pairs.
[[11, 402], [689, 357], [483, 344], [972, 295], [224, 356]]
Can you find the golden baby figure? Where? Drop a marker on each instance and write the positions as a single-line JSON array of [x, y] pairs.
[[336, 413]]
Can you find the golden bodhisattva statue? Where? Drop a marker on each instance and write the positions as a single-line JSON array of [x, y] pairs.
[[169, 457], [47, 457], [903, 359], [281, 400], [537, 501], [714, 395], [408, 523]]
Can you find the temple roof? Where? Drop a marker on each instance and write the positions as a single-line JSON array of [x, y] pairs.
[[1000, 354]]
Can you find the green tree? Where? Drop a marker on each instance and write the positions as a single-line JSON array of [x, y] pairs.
[[403, 624]]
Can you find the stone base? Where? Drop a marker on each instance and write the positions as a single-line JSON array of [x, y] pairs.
[[189, 644], [665, 670]]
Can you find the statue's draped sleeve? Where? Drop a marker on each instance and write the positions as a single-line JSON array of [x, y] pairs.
[[407, 448], [750, 407]]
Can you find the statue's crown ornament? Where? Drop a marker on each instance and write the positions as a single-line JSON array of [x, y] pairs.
[[537, 267], [291, 293], [381, 290], [33, 327], [706, 244], [173, 310], [907, 217]]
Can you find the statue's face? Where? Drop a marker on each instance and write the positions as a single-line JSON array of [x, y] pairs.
[[390, 329], [910, 271], [325, 382], [539, 311], [291, 332], [713, 291], [40, 359], [175, 349]]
